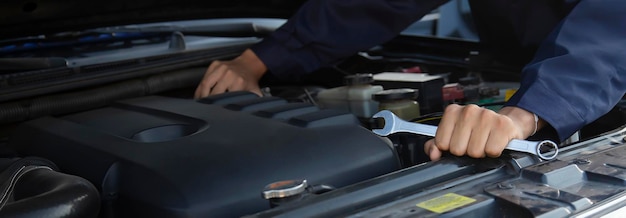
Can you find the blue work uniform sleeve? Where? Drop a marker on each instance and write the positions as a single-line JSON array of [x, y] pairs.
[[579, 72], [324, 31]]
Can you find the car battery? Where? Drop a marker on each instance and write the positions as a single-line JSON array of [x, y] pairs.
[[587, 179], [430, 97]]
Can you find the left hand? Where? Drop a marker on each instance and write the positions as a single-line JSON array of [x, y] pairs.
[[241, 73]]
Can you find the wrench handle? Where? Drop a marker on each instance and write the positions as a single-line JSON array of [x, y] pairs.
[[417, 128], [521, 145]]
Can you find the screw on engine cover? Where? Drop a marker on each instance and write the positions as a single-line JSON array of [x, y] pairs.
[[582, 161], [505, 186]]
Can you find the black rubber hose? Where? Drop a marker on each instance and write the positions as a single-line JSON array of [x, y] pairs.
[[46, 193], [32, 187], [98, 97]]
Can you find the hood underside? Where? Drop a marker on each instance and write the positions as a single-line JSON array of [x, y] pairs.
[[28, 18]]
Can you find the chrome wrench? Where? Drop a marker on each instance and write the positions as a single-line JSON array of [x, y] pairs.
[[394, 124]]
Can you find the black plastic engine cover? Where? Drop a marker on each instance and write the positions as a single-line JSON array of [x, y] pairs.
[[168, 157], [586, 179]]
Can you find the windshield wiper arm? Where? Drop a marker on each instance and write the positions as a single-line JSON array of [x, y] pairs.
[[247, 29], [23, 64]]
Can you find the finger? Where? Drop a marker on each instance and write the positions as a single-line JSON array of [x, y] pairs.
[[492, 146], [499, 137], [211, 77], [203, 87], [198, 93], [237, 84], [241, 84], [428, 145], [446, 126], [466, 121], [224, 82], [431, 150], [480, 134], [257, 91], [214, 65]]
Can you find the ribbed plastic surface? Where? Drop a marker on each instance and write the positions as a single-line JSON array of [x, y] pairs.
[[167, 157]]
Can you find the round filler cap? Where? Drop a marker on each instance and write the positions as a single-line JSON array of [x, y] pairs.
[[283, 189]]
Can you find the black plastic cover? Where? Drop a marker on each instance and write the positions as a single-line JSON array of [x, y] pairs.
[[395, 94], [167, 157], [359, 79], [588, 179]]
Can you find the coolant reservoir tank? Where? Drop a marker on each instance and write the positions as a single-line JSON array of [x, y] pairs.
[[354, 97], [401, 102]]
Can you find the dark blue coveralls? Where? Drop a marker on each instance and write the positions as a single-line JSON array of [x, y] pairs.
[[574, 50]]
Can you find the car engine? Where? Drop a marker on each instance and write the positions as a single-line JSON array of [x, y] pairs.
[[104, 122]]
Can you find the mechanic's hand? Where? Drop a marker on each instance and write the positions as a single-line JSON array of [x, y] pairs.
[[478, 132], [241, 73]]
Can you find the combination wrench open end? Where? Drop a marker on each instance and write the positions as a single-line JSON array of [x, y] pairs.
[[394, 124]]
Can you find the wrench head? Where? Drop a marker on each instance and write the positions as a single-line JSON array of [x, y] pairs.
[[389, 119], [552, 148]]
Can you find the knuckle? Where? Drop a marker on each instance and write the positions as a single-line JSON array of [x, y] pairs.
[[457, 151], [492, 151], [504, 123], [239, 80], [486, 114], [452, 108], [476, 153], [214, 64], [466, 114], [489, 119], [223, 68], [204, 84], [441, 144], [470, 111], [473, 107]]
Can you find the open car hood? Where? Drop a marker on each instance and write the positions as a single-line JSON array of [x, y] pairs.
[[28, 18]]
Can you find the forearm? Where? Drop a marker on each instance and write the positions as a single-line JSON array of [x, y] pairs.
[[324, 31], [256, 66], [578, 74], [524, 119]]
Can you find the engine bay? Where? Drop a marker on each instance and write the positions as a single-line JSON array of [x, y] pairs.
[[117, 111]]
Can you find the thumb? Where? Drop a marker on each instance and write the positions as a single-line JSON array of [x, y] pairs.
[[254, 88], [257, 91]]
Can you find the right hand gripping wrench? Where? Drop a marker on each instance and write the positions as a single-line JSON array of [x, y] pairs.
[[394, 124]]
